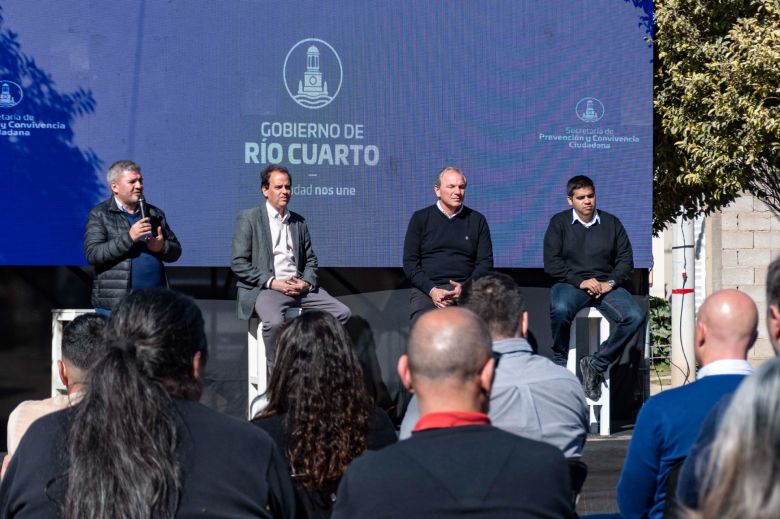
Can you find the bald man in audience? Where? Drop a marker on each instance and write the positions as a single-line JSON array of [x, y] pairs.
[[695, 464], [669, 422], [531, 395], [456, 463]]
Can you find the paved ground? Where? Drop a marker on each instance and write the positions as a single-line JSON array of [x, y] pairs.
[[604, 457]]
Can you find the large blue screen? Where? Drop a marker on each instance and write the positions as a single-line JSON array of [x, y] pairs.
[[364, 101]]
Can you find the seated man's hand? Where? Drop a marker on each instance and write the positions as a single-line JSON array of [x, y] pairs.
[[605, 287], [592, 287], [290, 286], [456, 290], [442, 298]]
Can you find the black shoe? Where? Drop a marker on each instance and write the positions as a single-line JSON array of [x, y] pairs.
[[591, 379]]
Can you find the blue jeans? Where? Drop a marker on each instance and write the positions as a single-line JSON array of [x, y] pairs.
[[618, 306]]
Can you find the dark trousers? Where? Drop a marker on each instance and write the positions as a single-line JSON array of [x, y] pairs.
[[271, 307], [419, 303], [618, 306]]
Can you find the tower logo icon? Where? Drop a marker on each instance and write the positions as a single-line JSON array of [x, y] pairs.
[[589, 110], [10, 94], [313, 73]]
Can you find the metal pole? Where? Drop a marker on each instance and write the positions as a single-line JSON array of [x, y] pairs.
[[683, 360]]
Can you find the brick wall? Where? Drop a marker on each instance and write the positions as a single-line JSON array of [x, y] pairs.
[[742, 240]]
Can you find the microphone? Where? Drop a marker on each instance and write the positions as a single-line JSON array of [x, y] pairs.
[[145, 213], [142, 206]]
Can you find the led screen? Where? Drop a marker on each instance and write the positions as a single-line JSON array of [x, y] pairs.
[[364, 102]]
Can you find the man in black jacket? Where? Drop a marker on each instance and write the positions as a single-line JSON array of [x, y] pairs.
[[127, 250], [589, 254]]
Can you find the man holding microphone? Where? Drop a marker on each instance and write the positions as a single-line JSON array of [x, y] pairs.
[[126, 239]]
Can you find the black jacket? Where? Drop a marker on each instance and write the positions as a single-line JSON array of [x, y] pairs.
[[107, 246]]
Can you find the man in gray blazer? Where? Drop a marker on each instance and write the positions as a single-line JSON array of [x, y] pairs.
[[275, 263]]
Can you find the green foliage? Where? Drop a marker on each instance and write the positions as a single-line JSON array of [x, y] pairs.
[[660, 329], [717, 104]]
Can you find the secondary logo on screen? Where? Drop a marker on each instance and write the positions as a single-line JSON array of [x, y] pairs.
[[10, 94], [589, 109], [312, 73]]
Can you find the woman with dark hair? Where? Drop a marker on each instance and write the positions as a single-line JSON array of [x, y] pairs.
[[139, 445], [319, 412]]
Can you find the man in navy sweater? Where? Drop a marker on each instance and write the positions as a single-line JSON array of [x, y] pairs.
[[589, 254], [446, 244], [667, 424], [695, 467]]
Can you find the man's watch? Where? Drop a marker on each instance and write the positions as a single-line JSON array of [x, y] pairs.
[[611, 283]]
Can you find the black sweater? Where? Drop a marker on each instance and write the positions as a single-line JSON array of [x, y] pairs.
[[438, 249], [467, 471], [228, 468], [574, 253]]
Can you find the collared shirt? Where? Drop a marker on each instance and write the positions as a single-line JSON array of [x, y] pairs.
[[725, 367], [576, 218], [281, 243], [444, 419], [453, 215], [123, 208]]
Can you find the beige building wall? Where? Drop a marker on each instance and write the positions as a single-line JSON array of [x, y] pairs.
[[741, 242]]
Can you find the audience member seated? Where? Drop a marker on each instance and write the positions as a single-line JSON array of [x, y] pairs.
[[668, 423], [692, 470], [138, 444], [455, 464], [531, 396], [319, 411], [82, 345], [742, 478]]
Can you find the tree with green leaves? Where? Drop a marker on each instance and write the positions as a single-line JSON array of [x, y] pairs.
[[717, 105]]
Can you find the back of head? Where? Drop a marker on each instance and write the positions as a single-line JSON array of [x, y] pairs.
[[153, 337], [448, 345], [745, 456], [726, 326], [773, 283], [773, 304], [82, 340], [497, 300], [317, 382], [162, 330]]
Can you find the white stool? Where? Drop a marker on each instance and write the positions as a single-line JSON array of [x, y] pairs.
[[59, 318], [257, 364], [258, 372], [598, 331]]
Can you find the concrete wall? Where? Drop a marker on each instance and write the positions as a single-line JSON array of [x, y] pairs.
[[742, 240]]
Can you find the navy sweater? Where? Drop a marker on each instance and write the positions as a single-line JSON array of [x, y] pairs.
[[574, 253], [664, 433], [438, 249], [467, 471]]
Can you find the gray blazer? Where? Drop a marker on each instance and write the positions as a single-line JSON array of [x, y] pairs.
[[253, 258]]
